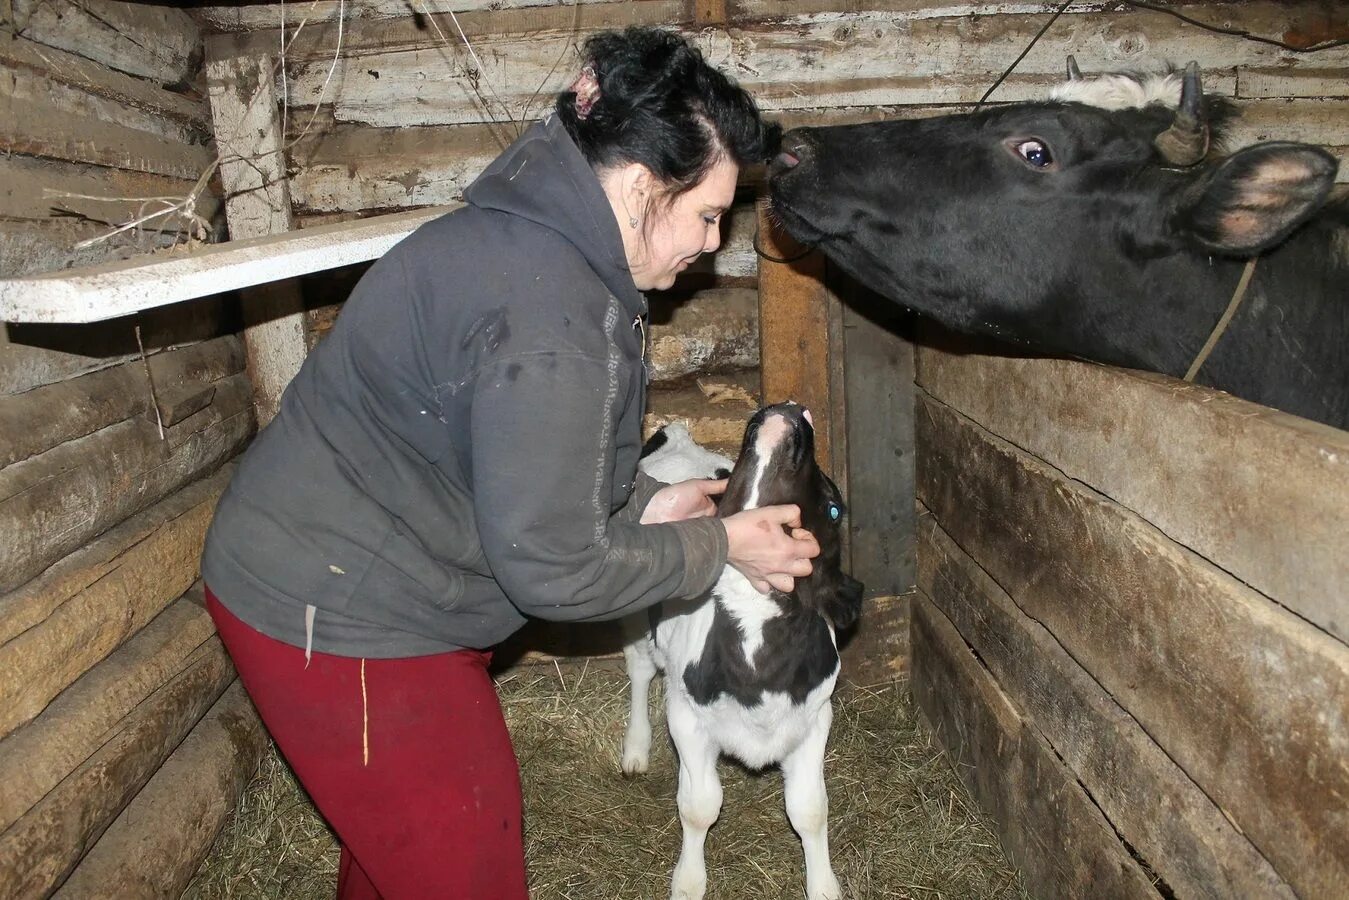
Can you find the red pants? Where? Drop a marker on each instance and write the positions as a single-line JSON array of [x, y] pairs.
[[409, 760]]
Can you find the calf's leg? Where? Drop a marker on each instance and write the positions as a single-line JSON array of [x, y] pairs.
[[637, 740], [699, 797], [808, 807]]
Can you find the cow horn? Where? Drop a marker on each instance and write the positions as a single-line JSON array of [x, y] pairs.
[[1186, 141], [1074, 73]]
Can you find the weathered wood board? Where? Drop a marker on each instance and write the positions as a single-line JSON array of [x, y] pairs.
[[62, 623], [40, 419], [878, 362], [154, 847], [35, 758], [35, 355], [846, 59], [161, 43], [1046, 822], [1247, 699], [55, 502], [39, 850], [1168, 820], [795, 308], [1260, 493]]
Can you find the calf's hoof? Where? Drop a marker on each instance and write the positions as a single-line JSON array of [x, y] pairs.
[[689, 884], [636, 758], [826, 888]]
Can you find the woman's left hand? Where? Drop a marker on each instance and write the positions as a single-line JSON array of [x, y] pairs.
[[685, 500]]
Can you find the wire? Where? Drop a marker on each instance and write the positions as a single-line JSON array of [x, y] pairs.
[[1033, 41], [1157, 7], [1237, 32]]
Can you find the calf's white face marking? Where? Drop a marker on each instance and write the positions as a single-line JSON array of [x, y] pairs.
[[772, 432]]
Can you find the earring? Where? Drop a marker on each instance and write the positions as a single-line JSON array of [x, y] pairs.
[[632, 221]]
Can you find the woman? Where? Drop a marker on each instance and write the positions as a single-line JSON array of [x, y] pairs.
[[461, 454]]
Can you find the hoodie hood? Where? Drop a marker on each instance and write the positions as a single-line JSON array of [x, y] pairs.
[[544, 178]]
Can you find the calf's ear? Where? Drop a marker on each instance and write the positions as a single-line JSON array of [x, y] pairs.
[[845, 604], [1256, 197]]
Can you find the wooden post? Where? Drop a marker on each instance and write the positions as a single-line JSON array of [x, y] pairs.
[[253, 172], [801, 341]]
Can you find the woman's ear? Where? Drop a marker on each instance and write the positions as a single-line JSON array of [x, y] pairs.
[[637, 185]]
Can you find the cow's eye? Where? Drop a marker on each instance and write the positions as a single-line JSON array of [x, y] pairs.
[[834, 512], [1035, 153]]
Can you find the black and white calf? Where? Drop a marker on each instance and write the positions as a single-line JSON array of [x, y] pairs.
[[749, 675]]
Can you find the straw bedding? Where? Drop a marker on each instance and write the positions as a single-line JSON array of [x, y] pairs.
[[901, 824]]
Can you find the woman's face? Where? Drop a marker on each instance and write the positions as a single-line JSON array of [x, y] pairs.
[[680, 232]]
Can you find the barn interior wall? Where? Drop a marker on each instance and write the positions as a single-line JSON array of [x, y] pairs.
[[115, 441], [106, 486]]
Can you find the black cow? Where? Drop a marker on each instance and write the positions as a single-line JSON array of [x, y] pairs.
[[1103, 233]]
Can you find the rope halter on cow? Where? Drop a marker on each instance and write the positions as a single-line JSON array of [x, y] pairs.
[[1247, 274]]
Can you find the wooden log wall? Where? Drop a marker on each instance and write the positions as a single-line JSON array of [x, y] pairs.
[[1151, 575], [114, 447]]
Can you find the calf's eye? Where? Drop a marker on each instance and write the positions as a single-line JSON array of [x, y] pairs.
[[834, 512], [1035, 153]]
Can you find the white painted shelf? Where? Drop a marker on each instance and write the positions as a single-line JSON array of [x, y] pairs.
[[109, 290]]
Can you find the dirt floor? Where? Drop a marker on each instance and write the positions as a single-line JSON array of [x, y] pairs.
[[901, 824]]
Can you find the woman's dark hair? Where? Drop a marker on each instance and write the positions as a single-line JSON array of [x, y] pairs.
[[660, 104]]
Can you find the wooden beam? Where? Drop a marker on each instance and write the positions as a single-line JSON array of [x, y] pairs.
[[794, 334], [257, 203], [1260, 493], [38, 420], [34, 759], [155, 846], [1250, 700], [1047, 824], [53, 503], [878, 650], [39, 850], [161, 43], [109, 290], [1171, 824], [61, 624]]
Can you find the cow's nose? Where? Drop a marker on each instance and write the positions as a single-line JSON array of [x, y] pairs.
[[794, 148]]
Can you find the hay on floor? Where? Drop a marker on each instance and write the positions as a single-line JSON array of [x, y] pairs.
[[901, 824]]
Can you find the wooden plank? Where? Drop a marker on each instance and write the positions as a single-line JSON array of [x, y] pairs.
[[1046, 823], [878, 379], [794, 310], [159, 840], [162, 43], [34, 759], [113, 289], [253, 172], [708, 331], [405, 25], [19, 52], [31, 248], [1248, 699], [40, 189], [39, 850], [1300, 82], [40, 419], [835, 61], [1184, 838], [53, 503], [878, 650], [35, 355], [1260, 493], [61, 624], [45, 117]]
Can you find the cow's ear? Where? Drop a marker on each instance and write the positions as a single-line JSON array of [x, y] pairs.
[[1256, 197]]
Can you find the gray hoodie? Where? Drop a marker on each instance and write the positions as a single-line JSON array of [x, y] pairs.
[[461, 452]]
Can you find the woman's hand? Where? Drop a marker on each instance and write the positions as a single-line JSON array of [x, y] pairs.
[[766, 554], [685, 500]]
